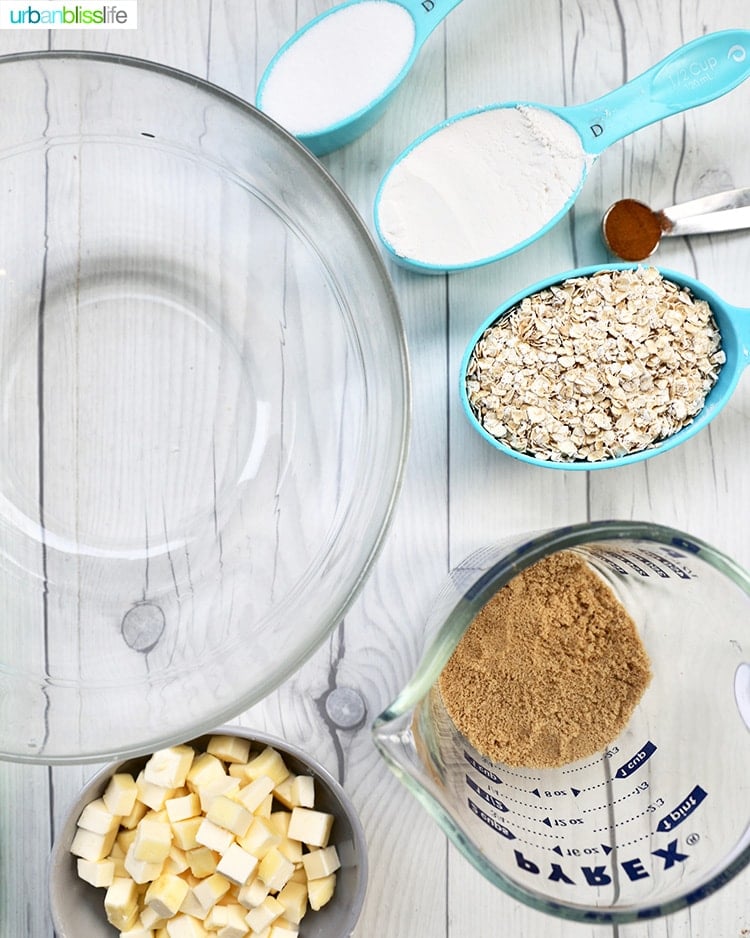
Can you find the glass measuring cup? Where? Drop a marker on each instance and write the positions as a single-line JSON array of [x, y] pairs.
[[359, 60], [734, 326], [463, 194], [658, 820]]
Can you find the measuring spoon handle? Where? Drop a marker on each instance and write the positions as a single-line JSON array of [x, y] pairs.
[[694, 74], [427, 14], [723, 211]]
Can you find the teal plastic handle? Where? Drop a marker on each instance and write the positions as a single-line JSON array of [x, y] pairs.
[[694, 74], [427, 14]]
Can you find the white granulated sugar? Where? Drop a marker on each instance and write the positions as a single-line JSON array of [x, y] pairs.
[[481, 185], [339, 66]]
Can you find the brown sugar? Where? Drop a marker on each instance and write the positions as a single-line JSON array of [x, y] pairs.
[[550, 669]]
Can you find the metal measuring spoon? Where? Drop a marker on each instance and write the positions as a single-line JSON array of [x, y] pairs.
[[426, 193], [346, 88], [734, 327], [632, 230]]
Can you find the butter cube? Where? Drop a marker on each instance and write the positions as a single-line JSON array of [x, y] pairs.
[[283, 792], [264, 914], [153, 796], [202, 861], [253, 893], [310, 827], [152, 842], [168, 768], [237, 865], [230, 815], [185, 926], [176, 861], [205, 768], [91, 846], [319, 891], [149, 919], [294, 899], [137, 931], [124, 840], [252, 795], [99, 873], [120, 794], [292, 849], [180, 809], [166, 894], [141, 871], [184, 832], [275, 869], [214, 837], [265, 808], [268, 762], [210, 890], [319, 863], [282, 929], [132, 820], [208, 793], [229, 748], [259, 838], [235, 926], [303, 791], [96, 818], [121, 903], [191, 906]]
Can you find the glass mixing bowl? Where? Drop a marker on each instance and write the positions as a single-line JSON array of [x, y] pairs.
[[205, 397]]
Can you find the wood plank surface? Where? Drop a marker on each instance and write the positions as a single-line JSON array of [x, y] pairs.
[[458, 493]]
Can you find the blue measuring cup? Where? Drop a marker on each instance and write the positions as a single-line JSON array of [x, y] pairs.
[[694, 74], [425, 14], [734, 327]]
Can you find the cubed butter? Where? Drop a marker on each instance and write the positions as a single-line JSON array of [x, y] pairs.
[[303, 791], [252, 795], [265, 808], [152, 841], [180, 809], [310, 827], [319, 891], [237, 865], [153, 796], [202, 861], [230, 815], [229, 748], [176, 861], [120, 794], [121, 903], [132, 820], [259, 838], [268, 762], [294, 899], [235, 925], [208, 793], [99, 873], [141, 871], [322, 862], [253, 893], [149, 919], [137, 931], [214, 837], [275, 869], [169, 767], [96, 818], [283, 792], [185, 926], [283, 930], [91, 846], [184, 832], [264, 914], [205, 768], [210, 890], [166, 894]]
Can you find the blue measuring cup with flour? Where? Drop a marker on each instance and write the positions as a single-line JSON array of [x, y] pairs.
[[334, 78], [656, 819], [490, 181]]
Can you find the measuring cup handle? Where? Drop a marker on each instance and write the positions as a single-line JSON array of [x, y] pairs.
[[694, 74], [741, 320], [427, 14]]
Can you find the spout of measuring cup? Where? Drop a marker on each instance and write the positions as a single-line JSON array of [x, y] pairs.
[[694, 74]]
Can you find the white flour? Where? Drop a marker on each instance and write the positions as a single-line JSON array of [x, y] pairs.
[[480, 186], [339, 66]]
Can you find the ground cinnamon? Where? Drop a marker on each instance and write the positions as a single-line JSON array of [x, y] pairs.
[[632, 230], [550, 669]]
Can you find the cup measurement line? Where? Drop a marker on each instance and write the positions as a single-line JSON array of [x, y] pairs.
[[607, 804], [599, 830]]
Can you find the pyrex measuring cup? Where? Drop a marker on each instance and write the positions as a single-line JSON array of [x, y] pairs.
[[329, 98], [734, 326], [461, 196], [659, 819]]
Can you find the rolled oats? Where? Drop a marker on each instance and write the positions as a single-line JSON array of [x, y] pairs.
[[595, 367]]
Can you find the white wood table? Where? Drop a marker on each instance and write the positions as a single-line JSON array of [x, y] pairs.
[[459, 493]]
